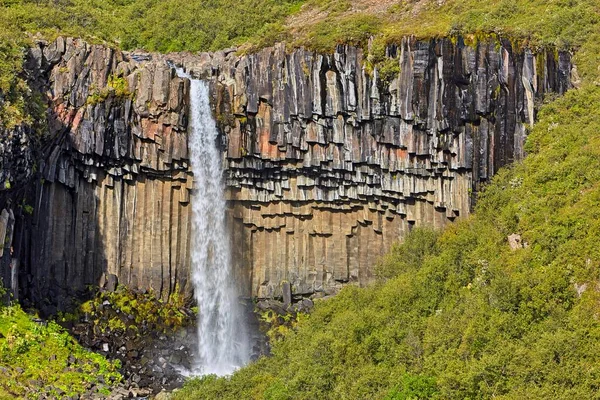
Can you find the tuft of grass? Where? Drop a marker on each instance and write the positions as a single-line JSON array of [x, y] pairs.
[[116, 87]]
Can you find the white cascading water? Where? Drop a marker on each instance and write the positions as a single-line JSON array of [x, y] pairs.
[[222, 340]]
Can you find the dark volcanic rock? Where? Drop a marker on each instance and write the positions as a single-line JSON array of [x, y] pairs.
[[326, 164]]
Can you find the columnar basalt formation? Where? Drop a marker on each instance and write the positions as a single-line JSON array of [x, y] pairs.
[[326, 163], [112, 186]]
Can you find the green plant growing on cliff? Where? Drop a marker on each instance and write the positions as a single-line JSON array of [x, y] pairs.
[[388, 69], [225, 119], [130, 308], [27, 209], [116, 87]]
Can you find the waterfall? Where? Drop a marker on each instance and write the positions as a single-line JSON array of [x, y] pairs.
[[222, 338]]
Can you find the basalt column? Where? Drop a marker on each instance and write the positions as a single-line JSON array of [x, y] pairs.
[[110, 191]]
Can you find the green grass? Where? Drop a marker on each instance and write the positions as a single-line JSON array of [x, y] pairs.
[[563, 23], [458, 314], [44, 360]]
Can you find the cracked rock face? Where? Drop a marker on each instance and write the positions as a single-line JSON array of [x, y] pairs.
[[112, 188], [326, 165]]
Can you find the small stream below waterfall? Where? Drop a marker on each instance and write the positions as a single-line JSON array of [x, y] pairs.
[[223, 343]]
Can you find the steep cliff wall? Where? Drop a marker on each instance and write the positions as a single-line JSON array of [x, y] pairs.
[[111, 187], [327, 165]]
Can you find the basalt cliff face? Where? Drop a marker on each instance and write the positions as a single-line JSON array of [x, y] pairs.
[[326, 164], [109, 188]]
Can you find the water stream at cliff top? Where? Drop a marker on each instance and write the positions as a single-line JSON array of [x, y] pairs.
[[223, 345]]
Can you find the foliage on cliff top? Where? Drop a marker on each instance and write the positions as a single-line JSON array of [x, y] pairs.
[[565, 23], [39, 359]]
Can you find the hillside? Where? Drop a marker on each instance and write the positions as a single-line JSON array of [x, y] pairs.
[[459, 314]]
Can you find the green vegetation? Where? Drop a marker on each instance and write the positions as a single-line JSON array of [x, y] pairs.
[[536, 23], [164, 26], [459, 314], [276, 326], [129, 309], [116, 87], [42, 359], [565, 24]]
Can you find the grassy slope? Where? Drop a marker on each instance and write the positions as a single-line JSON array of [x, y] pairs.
[[461, 314], [565, 23], [42, 359], [458, 314]]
